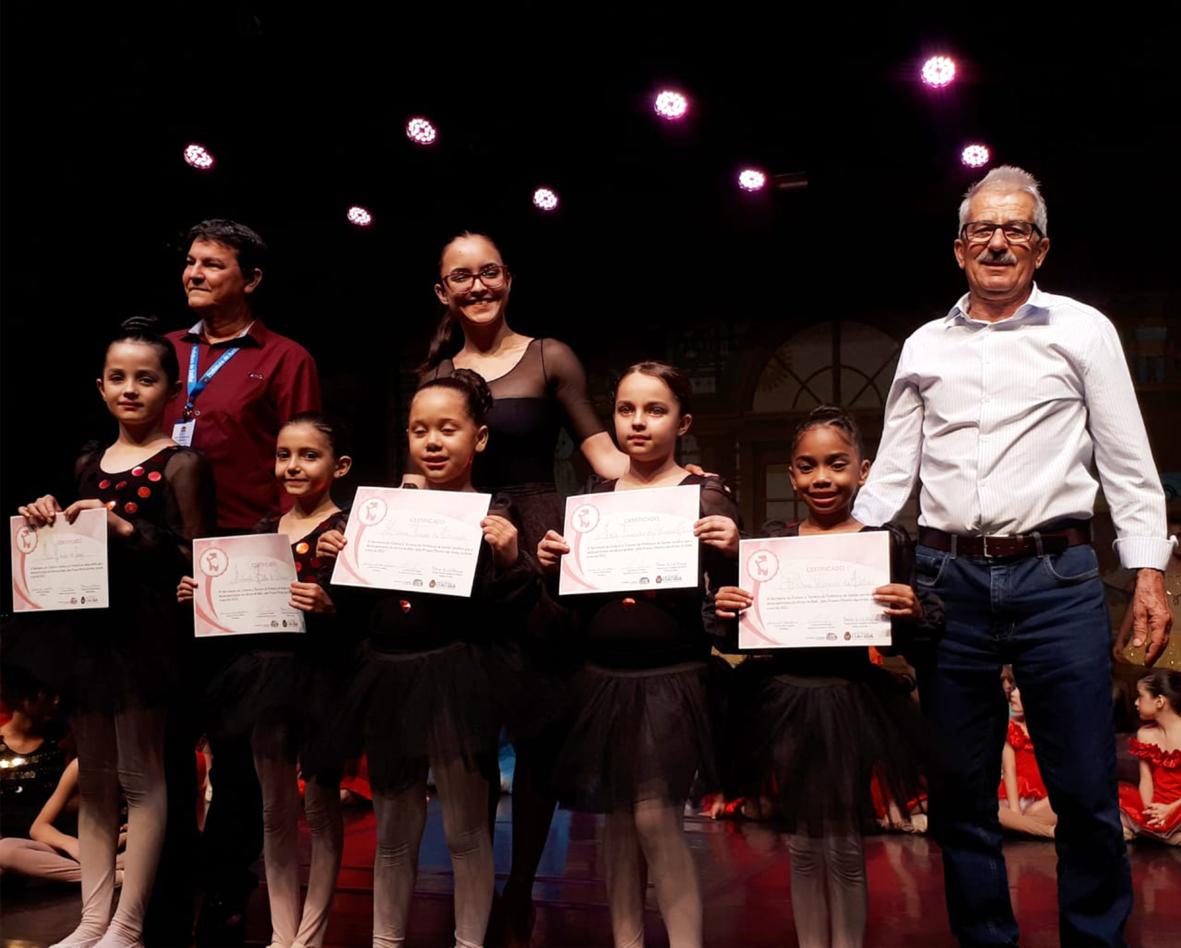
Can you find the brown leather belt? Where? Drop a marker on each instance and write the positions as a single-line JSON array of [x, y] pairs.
[[1037, 543]]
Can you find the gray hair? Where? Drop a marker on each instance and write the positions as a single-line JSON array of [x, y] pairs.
[[1008, 178]]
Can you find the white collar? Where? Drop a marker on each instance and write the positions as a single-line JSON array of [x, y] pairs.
[[1037, 303]]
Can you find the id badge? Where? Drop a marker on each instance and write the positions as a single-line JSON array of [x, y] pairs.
[[182, 433]]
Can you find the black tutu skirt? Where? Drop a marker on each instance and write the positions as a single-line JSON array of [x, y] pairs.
[[814, 744], [324, 753], [104, 661], [407, 710], [288, 690], [258, 689], [114, 669], [635, 736]]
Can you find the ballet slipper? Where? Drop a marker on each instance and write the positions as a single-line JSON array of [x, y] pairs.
[[77, 940], [118, 937]]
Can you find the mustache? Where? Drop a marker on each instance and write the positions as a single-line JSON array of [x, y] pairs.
[[998, 257]]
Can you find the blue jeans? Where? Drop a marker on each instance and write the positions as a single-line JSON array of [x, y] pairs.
[[1046, 616]]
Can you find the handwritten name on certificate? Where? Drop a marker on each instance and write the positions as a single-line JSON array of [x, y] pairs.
[[63, 566], [631, 539], [244, 586], [814, 591], [414, 540]]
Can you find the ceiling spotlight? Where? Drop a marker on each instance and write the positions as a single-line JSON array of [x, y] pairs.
[[938, 71], [975, 156], [359, 216], [671, 105], [545, 200], [199, 157], [420, 131], [751, 179]]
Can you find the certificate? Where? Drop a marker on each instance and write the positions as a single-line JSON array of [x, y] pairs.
[[631, 539], [414, 540], [244, 586], [63, 566], [814, 591]]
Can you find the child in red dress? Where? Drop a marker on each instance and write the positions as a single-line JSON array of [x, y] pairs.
[[1024, 800], [1154, 808]]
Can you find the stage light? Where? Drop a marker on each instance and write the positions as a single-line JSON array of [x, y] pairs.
[[938, 71], [751, 179], [671, 105], [359, 216], [975, 156], [199, 157], [420, 131], [545, 200]]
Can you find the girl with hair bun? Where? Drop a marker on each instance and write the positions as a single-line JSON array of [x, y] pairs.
[[826, 721], [1153, 808], [124, 660], [641, 726], [282, 691], [424, 697], [540, 387]]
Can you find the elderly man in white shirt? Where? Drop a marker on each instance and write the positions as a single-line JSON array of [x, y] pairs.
[[1010, 411]]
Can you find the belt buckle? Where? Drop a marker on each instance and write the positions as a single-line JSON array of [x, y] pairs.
[[998, 541]]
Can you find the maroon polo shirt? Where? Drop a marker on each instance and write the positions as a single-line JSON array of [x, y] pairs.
[[240, 412]]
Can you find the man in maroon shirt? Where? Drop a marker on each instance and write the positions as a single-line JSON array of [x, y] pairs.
[[243, 382], [235, 407]]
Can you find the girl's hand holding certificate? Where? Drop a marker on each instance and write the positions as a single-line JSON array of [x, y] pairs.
[[718, 531], [330, 544], [43, 512], [501, 535], [311, 597], [185, 589], [730, 600], [550, 550], [899, 601]]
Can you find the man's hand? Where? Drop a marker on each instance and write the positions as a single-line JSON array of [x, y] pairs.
[[1151, 618]]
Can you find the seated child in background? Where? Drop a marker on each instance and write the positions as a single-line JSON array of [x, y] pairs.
[[38, 789], [1024, 800], [1153, 809]]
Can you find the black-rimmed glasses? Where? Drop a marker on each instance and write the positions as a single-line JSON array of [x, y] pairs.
[[492, 276], [1016, 232]]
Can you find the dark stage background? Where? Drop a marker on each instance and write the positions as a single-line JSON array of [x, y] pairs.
[[653, 252]]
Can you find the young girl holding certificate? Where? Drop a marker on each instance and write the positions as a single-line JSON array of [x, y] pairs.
[[825, 720], [283, 690], [539, 387], [125, 658], [424, 696], [641, 729]]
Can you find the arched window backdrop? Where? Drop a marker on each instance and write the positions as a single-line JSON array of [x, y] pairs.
[[838, 362]]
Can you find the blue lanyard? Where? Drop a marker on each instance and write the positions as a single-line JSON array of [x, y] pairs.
[[197, 386]]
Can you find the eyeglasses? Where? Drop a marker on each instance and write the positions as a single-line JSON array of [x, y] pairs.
[[1016, 232], [492, 276]]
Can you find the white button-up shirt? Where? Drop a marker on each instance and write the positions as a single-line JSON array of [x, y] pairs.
[[1007, 424]]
